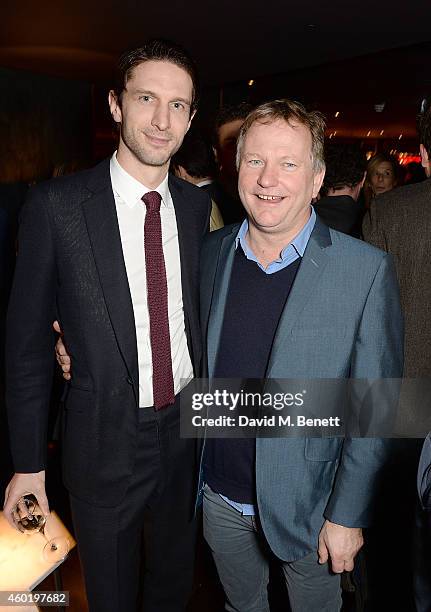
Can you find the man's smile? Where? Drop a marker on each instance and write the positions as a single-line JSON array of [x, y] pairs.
[[270, 198], [157, 140]]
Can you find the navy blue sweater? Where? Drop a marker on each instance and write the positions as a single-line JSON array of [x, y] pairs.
[[254, 305]]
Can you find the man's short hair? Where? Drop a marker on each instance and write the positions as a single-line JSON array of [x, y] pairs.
[[291, 112], [156, 50], [424, 129], [195, 156], [345, 166], [226, 114]]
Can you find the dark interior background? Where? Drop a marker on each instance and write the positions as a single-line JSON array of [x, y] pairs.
[[56, 63]]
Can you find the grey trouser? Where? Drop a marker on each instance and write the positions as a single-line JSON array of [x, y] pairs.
[[241, 555]]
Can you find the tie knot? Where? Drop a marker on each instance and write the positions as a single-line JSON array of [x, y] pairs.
[[152, 201]]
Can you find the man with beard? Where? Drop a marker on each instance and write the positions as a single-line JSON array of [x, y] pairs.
[[113, 254]]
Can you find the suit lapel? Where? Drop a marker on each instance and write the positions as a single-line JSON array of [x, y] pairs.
[[189, 245], [102, 226], [219, 296], [313, 263]]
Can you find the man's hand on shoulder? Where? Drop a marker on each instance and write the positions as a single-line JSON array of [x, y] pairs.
[[23, 484], [61, 354], [339, 545]]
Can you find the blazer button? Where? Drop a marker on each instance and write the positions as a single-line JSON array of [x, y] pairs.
[[129, 380]]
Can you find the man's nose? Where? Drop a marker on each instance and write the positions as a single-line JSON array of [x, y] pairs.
[[161, 117], [268, 176]]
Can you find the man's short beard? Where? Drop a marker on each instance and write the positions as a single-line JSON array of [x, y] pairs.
[[149, 161], [146, 157]]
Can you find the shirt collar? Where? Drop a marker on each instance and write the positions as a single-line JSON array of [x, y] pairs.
[[204, 182], [130, 190], [299, 243]]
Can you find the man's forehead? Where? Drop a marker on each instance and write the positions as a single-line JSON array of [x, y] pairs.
[[279, 123], [281, 132], [161, 71]]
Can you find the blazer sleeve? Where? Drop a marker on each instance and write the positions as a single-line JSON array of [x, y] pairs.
[[372, 230], [30, 338], [377, 354]]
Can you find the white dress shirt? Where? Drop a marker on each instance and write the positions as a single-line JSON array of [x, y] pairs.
[[131, 213]]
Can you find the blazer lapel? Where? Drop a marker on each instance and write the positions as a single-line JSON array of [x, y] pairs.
[[189, 245], [102, 226], [219, 296], [313, 263]]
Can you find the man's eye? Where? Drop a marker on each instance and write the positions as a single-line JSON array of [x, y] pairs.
[[144, 98], [254, 162], [289, 165], [178, 105]]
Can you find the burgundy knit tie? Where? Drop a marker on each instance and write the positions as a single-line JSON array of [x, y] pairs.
[[157, 295]]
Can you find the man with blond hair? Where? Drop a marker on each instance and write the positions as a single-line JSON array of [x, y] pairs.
[[282, 297]]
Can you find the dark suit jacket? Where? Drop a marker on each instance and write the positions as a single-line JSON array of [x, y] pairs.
[[12, 196], [342, 320], [399, 222], [4, 277], [341, 213], [231, 209], [70, 265]]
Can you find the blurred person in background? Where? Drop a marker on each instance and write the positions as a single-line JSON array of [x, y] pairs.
[[224, 190], [415, 173], [382, 175], [344, 178], [399, 222], [194, 162]]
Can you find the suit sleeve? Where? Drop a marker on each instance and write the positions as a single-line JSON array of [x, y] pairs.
[[30, 338], [377, 355], [372, 230]]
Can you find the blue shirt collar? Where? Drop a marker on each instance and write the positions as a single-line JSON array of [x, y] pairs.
[[290, 252]]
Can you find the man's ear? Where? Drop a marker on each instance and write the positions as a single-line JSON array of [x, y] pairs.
[[424, 156], [115, 107], [317, 182], [190, 120], [181, 172]]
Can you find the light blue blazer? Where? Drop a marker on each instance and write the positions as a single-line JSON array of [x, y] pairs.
[[342, 320]]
